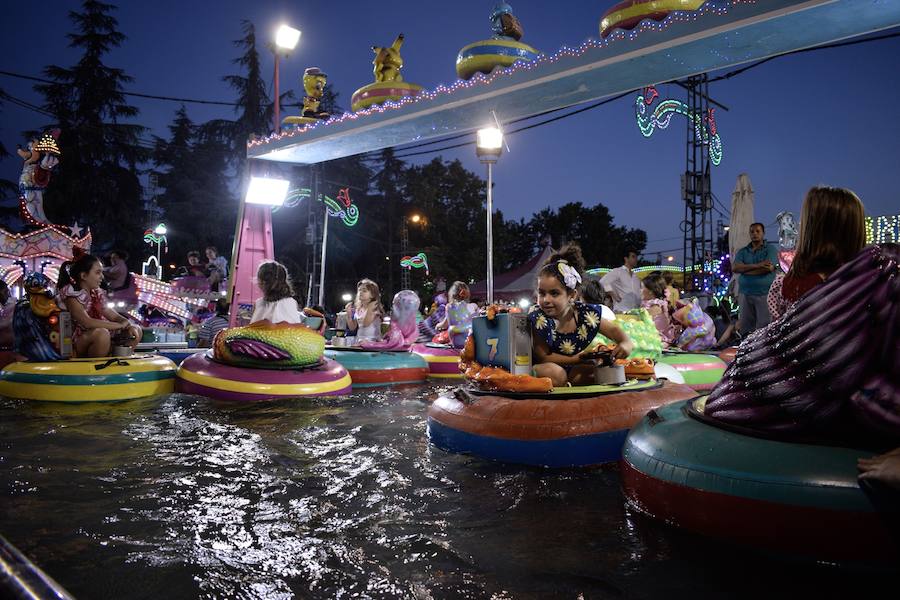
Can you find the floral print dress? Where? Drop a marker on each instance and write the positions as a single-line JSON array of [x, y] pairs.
[[587, 325]]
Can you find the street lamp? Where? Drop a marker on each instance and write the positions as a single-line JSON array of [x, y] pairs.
[[286, 39], [161, 231], [488, 146]]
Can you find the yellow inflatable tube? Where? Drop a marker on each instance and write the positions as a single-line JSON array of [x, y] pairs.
[[89, 379]]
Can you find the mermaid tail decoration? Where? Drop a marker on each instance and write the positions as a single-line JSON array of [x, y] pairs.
[[265, 345], [832, 360], [404, 329]]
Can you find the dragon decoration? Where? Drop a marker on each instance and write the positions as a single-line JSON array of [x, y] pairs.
[[661, 116]]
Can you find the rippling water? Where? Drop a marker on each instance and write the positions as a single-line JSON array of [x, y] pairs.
[[185, 497]]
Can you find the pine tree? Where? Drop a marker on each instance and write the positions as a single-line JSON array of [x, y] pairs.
[[199, 207], [97, 180], [254, 105]]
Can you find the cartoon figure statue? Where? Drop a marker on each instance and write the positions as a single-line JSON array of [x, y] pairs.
[[314, 81], [503, 49], [41, 157], [389, 84], [787, 239], [504, 24], [34, 336], [388, 61]]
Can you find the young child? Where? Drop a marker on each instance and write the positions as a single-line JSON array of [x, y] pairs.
[[365, 313], [217, 268], [193, 267], [672, 294], [79, 292], [562, 328], [214, 324], [458, 321], [653, 299], [832, 231], [277, 304]]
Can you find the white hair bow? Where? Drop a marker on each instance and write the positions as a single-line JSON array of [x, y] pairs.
[[570, 275]]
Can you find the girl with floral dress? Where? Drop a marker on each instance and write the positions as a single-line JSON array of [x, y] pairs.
[[96, 326], [562, 328]]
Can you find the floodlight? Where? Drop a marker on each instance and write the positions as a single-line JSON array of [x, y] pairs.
[[287, 37], [488, 144], [267, 191]]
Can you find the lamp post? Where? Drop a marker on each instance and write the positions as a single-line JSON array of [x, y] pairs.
[[160, 230], [488, 146], [286, 39], [415, 219]]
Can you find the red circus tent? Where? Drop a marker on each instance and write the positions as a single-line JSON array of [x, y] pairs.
[[517, 283]]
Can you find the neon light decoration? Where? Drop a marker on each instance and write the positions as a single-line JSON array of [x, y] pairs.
[[884, 229], [704, 126], [418, 261], [153, 238], [343, 207]]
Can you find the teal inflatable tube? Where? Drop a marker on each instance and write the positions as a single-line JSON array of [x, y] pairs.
[[787, 498], [373, 369]]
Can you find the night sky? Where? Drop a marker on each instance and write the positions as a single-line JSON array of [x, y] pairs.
[[820, 117]]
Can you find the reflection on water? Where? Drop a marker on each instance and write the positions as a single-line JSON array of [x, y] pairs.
[[183, 497]]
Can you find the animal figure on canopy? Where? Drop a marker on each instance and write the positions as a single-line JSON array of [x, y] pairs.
[[388, 61], [41, 157], [504, 24], [314, 81], [403, 330]]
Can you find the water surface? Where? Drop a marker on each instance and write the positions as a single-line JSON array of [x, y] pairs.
[[185, 497]]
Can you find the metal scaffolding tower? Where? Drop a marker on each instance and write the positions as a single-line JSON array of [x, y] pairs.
[[696, 189]]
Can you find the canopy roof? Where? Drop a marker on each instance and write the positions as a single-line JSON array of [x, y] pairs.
[[517, 283], [722, 33]]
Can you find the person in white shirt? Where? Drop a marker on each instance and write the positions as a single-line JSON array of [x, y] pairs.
[[277, 304], [623, 285]]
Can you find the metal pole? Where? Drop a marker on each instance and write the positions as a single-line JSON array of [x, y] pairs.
[[159, 260], [277, 128], [490, 237], [322, 269], [309, 290]]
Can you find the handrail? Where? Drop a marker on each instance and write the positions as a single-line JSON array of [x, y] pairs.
[[22, 579]]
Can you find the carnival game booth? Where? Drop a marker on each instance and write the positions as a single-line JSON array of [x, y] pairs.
[[504, 414], [790, 499]]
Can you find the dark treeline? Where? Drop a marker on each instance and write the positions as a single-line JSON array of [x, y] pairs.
[[119, 181]]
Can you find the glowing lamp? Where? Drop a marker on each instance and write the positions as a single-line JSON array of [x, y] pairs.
[[161, 229], [415, 218], [287, 37], [489, 144], [267, 191], [670, 258], [524, 303], [347, 297]]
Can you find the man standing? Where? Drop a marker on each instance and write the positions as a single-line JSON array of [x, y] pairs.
[[756, 264], [623, 285]]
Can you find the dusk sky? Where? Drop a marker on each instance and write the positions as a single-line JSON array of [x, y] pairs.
[[820, 117]]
